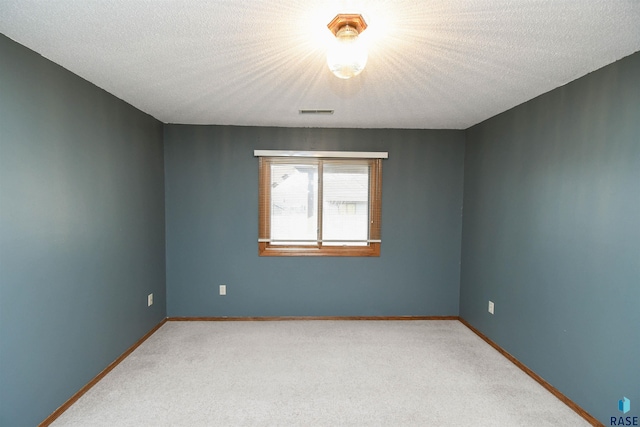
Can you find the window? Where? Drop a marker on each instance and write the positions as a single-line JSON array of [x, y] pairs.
[[319, 203]]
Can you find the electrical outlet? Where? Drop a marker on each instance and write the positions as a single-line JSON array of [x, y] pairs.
[[149, 300], [491, 307], [223, 289]]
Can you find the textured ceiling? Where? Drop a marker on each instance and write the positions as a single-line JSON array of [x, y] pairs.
[[445, 64]]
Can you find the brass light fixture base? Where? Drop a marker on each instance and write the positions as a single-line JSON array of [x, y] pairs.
[[351, 19]]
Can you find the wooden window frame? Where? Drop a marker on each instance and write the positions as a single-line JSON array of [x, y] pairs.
[[371, 249]]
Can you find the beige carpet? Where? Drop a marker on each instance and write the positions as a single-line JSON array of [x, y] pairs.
[[317, 373]]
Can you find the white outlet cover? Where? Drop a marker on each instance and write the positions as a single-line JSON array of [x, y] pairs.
[[149, 300], [223, 289], [491, 307]]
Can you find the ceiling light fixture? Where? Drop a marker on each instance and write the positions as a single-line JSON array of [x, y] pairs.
[[347, 56]]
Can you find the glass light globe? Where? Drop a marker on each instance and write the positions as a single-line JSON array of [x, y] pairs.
[[347, 56]]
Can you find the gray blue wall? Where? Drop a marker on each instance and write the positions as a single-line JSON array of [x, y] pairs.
[[81, 232], [211, 179], [551, 234]]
